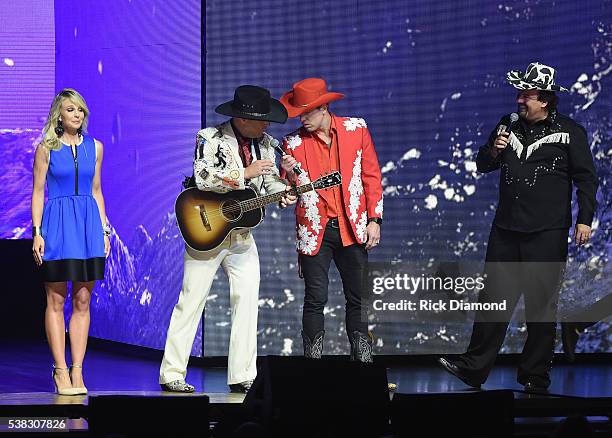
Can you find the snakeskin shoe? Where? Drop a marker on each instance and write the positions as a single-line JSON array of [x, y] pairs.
[[177, 386]]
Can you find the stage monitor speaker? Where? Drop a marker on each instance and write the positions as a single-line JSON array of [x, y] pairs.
[[482, 414], [128, 416], [22, 313], [295, 396]]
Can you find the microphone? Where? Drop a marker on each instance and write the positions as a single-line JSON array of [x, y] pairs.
[[513, 119], [278, 149]]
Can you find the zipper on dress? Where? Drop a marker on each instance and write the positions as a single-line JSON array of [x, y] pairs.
[[75, 155]]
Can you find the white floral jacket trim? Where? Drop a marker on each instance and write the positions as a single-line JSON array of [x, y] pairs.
[[352, 123], [307, 240]]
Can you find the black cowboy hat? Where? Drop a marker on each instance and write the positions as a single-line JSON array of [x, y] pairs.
[[254, 103]]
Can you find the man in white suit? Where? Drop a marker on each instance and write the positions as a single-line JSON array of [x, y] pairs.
[[230, 156]]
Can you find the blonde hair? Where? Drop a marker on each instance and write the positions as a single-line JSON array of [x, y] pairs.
[[50, 138]]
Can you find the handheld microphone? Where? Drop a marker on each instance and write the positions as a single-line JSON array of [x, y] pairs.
[[278, 149], [513, 119]]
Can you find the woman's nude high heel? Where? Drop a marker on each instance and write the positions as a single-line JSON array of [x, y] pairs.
[[62, 391], [80, 390]]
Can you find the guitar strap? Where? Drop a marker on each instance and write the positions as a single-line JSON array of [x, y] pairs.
[[256, 155], [255, 152]]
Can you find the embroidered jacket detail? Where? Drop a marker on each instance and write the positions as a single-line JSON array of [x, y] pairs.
[[352, 123], [355, 188], [307, 240], [293, 141], [517, 146], [379, 207], [360, 227]]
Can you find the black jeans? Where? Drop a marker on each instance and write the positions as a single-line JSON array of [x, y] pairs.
[[352, 262], [542, 257]]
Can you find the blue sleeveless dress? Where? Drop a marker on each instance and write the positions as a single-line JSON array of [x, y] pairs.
[[71, 224]]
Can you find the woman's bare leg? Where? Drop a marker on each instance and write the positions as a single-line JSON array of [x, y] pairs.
[[79, 328], [56, 329]]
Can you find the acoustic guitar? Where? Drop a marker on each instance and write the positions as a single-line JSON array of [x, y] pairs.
[[206, 218]]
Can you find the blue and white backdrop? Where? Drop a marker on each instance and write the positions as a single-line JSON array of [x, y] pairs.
[[428, 77]]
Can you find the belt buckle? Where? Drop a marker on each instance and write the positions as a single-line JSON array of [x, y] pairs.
[[334, 223]]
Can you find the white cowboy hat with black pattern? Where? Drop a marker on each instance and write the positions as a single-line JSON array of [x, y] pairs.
[[536, 77]]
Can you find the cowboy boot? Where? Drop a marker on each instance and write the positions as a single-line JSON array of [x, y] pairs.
[[361, 347], [313, 349]]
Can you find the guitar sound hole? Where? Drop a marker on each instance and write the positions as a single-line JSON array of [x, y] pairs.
[[231, 210]]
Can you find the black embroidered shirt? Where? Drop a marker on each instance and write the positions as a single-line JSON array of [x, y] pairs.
[[537, 170]]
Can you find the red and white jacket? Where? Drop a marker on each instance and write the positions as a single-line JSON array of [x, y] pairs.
[[361, 182]]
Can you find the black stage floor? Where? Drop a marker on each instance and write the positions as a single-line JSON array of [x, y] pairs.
[[26, 387]]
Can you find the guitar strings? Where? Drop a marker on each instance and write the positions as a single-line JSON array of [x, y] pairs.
[[221, 211]]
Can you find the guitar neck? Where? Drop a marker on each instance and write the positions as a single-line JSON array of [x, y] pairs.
[[262, 201]]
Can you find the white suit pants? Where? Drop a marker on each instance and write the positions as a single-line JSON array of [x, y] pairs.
[[239, 258]]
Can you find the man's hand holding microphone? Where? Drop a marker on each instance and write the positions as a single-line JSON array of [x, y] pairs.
[[501, 141]]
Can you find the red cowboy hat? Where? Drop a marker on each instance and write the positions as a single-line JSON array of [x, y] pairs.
[[307, 95]]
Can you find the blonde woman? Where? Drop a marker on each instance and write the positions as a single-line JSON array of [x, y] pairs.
[[70, 231]]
